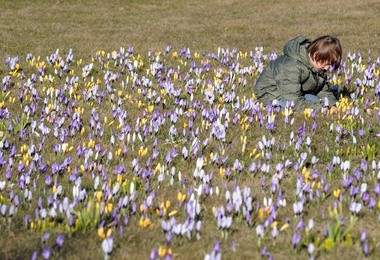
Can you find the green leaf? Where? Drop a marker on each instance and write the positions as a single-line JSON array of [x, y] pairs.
[[330, 232], [348, 242], [336, 232]]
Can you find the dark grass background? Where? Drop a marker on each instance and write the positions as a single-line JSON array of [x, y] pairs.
[[41, 27]]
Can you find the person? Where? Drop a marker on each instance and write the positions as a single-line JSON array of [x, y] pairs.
[[299, 75]]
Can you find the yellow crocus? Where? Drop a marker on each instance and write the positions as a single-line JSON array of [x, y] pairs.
[[222, 172], [118, 152], [98, 195], [109, 232], [162, 251], [285, 226], [101, 233], [181, 197], [143, 151], [91, 144], [307, 113], [144, 222], [150, 108], [119, 178], [261, 213], [306, 174], [336, 193], [172, 213], [108, 208]]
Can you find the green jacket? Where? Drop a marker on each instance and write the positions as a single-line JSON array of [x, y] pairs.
[[291, 76]]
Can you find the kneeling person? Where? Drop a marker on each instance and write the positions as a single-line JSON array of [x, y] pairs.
[[299, 74]]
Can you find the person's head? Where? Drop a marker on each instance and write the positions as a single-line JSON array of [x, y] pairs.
[[325, 51]]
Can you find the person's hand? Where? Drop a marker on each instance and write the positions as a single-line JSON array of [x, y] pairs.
[[333, 110]]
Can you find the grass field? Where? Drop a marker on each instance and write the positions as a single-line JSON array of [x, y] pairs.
[[43, 26], [129, 130]]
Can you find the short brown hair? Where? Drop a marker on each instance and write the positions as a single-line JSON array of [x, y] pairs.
[[326, 49]]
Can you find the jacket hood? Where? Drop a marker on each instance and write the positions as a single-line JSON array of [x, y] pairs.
[[296, 48]]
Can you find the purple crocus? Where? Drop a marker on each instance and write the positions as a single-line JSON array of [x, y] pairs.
[[59, 240], [296, 239], [45, 236], [3, 210], [376, 189], [34, 255], [363, 236], [46, 253]]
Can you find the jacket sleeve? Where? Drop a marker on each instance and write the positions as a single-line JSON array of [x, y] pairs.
[[327, 93], [288, 81]]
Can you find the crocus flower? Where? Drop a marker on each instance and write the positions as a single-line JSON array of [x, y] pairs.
[[310, 249], [310, 224], [371, 203], [295, 239], [3, 210], [260, 231], [59, 240], [45, 236], [264, 251], [275, 232], [153, 254], [107, 245], [297, 208], [363, 236], [355, 207], [34, 255], [376, 189], [365, 248], [46, 253]]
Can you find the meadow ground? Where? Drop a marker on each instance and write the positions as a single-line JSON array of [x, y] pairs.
[[43, 26], [120, 140]]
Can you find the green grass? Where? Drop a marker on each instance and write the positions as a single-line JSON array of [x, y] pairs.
[[42, 27]]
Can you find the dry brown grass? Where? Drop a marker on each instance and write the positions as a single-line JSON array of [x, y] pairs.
[[41, 27]]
